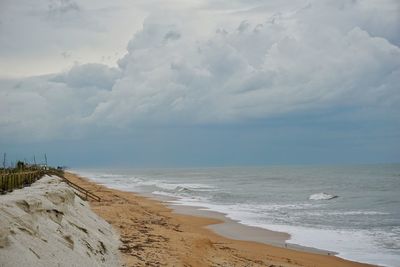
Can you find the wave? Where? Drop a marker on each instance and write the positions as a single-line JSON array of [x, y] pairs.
[[322, 196], [163, 193], [181, 187], [187, 200], [108, 176]]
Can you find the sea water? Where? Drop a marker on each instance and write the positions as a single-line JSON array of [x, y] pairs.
[[351, 210]]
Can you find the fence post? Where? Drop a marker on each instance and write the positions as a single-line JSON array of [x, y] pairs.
[[2, 184], [9, 182]]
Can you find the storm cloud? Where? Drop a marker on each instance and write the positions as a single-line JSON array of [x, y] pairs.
[[258, 62]]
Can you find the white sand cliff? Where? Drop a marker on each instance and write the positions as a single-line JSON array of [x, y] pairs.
[[46, 224]]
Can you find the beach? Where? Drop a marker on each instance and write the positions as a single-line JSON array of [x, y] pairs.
[[153, 234], [200, 133]]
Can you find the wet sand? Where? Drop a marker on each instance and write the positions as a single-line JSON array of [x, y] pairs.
[[153, 234], [235, 230]]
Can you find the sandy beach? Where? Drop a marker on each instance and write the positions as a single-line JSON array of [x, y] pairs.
[[152, 234]]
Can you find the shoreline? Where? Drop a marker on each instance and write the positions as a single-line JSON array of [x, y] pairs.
[[235, 230], [178, 233]]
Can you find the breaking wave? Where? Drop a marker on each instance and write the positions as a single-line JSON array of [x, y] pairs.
[[322, 196]]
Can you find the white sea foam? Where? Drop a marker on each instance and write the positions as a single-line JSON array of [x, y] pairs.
[[346, 213], [107, 176], [322, 196], [163, 193], [358, 245]]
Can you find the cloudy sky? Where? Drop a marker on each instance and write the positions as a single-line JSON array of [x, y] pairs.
[[200, 82]]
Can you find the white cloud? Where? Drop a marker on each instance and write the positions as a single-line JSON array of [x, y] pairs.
[[328, 55], [289, 64]]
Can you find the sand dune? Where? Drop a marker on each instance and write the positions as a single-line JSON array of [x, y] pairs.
[[48, 225]]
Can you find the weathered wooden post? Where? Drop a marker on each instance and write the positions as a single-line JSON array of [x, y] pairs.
[[21, 179], [9, 184], [2, 183]]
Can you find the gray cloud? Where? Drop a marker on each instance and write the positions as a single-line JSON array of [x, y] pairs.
[[89, 75], [41, 32], [285, 65], [329, 55], [172, 35], [62, 7]]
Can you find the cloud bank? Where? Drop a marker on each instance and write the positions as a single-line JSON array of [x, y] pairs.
[[338, 57]]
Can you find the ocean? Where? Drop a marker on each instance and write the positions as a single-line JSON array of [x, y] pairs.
[[351, 210]]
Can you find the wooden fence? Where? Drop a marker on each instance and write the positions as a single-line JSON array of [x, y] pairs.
[[18, 179], [14, 180], [83, 193]]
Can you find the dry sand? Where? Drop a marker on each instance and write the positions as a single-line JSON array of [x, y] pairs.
[[153, 235]]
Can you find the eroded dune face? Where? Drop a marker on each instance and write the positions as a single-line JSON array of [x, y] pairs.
[[47, 225]]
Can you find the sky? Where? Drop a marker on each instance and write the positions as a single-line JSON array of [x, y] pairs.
[[200, 82]]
